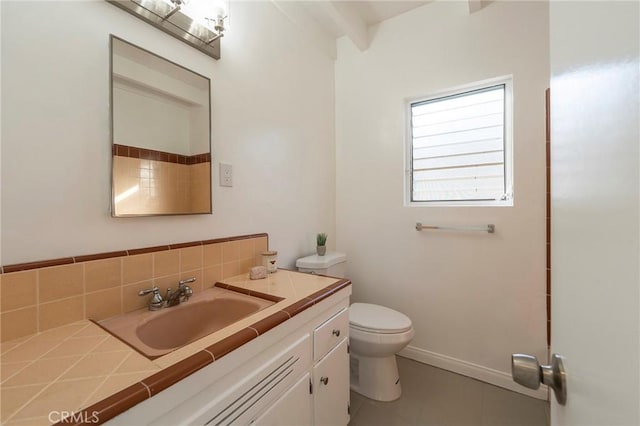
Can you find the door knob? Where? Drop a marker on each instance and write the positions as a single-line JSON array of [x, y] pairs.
[[526, 371]]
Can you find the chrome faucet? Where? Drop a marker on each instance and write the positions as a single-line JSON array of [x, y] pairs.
[[156, 303], [182, 294], [173, 298]]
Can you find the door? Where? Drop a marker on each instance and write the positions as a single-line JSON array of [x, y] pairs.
[[331, 388], [595, 209], [292, 408]]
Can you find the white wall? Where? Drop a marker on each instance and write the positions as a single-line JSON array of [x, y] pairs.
[[273, 120], [474, 298]]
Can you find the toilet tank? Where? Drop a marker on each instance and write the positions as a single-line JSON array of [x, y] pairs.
[[331, 264]]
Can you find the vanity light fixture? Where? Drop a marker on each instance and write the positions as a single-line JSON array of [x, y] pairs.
[[199, 23]]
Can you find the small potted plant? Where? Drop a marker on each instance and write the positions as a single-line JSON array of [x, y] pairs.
[[321, 241]]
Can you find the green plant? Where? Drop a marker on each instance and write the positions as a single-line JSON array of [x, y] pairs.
[[321, 239]]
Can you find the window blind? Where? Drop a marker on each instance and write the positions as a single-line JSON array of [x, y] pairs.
[[458, 146]]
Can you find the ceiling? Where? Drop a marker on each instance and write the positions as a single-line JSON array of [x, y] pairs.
[[369, 12], [373, 12], [324, 21]]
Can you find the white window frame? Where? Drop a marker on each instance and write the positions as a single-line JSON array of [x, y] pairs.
[[507, 81]]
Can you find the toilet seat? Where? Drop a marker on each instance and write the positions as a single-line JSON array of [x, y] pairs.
[[372, 318]]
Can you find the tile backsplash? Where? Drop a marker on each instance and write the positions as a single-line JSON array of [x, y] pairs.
[[39, 296], [162, 187]]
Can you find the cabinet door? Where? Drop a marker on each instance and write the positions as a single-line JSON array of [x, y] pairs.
[[292, 408], [331, 388]]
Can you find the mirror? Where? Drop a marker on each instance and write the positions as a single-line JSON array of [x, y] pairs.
[[161, 132]]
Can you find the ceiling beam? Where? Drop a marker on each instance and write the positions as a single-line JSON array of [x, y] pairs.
[[308, 27], [347, 19]]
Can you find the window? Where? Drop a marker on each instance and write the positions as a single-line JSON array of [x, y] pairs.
[[460, 147]]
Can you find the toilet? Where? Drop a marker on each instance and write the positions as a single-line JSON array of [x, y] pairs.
[[376, 334]]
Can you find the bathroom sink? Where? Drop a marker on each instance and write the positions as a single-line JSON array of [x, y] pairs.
[[173, 328], [155, 333]]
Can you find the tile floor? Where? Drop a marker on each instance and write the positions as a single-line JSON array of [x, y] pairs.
[[435, 397]]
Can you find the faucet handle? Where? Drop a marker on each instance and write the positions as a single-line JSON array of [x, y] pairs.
[[187, 293], [157, 302], [184, 289], [153, 290], [184, 282]]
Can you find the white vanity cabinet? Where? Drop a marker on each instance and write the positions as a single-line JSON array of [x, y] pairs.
[[297, 373]]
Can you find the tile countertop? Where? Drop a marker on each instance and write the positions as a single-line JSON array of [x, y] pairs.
[[81, 366]]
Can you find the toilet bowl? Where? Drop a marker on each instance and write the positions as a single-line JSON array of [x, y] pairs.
[[376, 334]]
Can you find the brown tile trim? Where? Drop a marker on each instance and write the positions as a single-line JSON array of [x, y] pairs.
[[328, 291], [298, 306], [549, 281], [547, 96], [5, 269], [240, 237], [547, 102], [266, 296], [99, 256], [146, 250], [232, 287], [110, 407], [340, 284], [178, 371], [548, 153], [321, 294], [199, 158], [270, 322], [548, 179], [548, 307], [226, 345], [316, 297], [36, 265], [548, 229], [167, 157], [185, 245], [248, 292]]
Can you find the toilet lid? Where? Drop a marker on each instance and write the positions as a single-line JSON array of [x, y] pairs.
[[376, 318]]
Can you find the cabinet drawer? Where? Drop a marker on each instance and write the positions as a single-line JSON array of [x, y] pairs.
[[328, 334]]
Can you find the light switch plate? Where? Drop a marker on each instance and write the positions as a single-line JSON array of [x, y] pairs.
[[226, 175]]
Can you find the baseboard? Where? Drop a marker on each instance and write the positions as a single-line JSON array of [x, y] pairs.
[[488, 375]]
